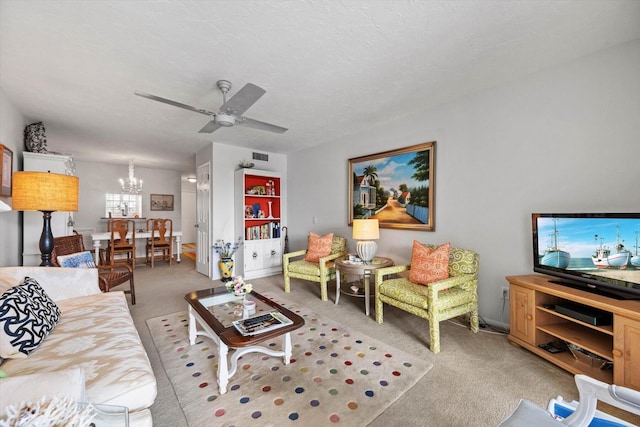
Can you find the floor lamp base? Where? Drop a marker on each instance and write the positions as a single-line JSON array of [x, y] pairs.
[[46, 240]]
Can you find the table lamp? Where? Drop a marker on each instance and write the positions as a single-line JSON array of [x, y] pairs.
[[365, 231], [45, 192]]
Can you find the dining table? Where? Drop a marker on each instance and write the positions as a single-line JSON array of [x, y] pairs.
[[98, 238]]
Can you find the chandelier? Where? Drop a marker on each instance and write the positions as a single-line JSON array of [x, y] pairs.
[[131, 185]]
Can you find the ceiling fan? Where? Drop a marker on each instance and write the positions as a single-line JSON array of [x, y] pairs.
[[230, 111]]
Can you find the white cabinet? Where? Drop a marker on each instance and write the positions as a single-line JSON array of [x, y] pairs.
[[32, 221], [273, 254], [259, 208]]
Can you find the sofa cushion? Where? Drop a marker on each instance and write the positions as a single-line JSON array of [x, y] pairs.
[[462, 261], [417, 296], [318, 247], [308, 268], [27, 316], [97, 334], [58, 283], [31, 388], [77, 260], [339, 245], [429, 265], [7, 282]]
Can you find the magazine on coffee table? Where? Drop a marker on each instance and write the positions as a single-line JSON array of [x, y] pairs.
[[262, 323]]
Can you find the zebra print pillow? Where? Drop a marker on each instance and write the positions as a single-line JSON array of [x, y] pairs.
[[27, 316]]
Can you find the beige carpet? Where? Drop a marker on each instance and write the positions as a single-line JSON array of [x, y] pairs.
[[336, 377], [476, 380]]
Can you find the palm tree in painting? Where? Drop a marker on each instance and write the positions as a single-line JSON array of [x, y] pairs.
[[371, 172]]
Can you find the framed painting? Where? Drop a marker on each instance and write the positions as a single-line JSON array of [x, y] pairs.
[[6, 171], [161, 202], [395, 187]]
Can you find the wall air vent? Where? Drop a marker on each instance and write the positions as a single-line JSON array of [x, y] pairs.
[[261, 156]]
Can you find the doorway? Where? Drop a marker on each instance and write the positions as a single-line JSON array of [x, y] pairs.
[[203, 213]]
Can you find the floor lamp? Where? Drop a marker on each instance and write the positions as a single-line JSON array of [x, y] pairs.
[[45, 192], [366, 231]]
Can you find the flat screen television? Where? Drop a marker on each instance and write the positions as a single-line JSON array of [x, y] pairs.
[[596, 252]]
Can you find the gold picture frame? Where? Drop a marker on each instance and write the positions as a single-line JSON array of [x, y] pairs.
[[396, 187], [161, 202], [6, 171]]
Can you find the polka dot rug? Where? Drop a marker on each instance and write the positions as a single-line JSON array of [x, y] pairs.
[[336, 376]]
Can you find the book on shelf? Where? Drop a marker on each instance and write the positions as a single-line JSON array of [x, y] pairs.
[[270, 230]]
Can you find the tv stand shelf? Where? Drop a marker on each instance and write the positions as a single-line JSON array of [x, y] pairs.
[[589, 340], [532, 323]]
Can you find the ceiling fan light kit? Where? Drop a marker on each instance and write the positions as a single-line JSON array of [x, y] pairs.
[[230, 112], [225, 120]]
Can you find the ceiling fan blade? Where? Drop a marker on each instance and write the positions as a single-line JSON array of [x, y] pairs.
[[175, 104], [210, 127], [257, 124], [243, 99]]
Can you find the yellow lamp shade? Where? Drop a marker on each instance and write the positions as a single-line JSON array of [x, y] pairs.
[[45, 191], [365, 229]]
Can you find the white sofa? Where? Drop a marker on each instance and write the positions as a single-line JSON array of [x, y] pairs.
[[95, 333]]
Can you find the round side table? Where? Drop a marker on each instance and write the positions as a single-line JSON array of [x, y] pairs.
[[344, 266]]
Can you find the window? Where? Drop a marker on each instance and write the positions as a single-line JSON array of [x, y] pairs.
[[121, 204]]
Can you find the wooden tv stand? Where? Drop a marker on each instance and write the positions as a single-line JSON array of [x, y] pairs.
[[531, 324]]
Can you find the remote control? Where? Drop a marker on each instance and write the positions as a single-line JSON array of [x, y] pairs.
[[258, 319]]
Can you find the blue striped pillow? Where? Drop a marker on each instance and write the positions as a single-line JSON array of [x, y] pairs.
[[77, 260]]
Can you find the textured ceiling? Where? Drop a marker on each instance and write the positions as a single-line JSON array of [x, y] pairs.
[[330, 68]]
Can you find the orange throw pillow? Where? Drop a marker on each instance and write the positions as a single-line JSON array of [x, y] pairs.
[[318, 247], [429, 265]]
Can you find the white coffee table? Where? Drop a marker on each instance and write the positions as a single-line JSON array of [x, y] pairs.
[[212, 313]]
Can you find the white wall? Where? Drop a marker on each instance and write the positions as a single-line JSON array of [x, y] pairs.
[[97, 179], [12, 124], [224, 162], [563, 140]]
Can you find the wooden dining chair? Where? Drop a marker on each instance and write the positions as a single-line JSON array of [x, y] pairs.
[[119, 244], [160, 244]]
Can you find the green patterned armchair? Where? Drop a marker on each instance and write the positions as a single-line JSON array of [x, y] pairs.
[[438, 301], [321, 271]]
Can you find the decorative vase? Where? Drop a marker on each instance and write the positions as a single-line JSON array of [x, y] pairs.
[[226, 269], [270, 215], [35, 139]]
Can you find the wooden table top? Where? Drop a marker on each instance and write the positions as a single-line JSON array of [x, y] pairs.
[[218, 308], [344, 264]]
